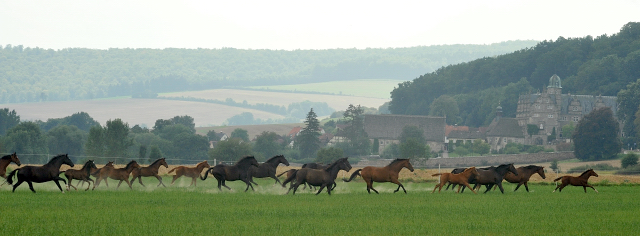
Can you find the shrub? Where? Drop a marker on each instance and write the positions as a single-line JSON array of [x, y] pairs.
[[601, 166], [535, 149], [632, 170], [628, 160]]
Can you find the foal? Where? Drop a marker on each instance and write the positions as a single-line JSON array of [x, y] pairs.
[[577, 181], [193, 172], [83, 174], [459, 179]]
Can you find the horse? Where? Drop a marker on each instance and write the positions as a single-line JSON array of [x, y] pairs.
[[323, 178], [524, 173], [97, 171], [83, 174], [460, 179], [267, 169], [577, 181], [313, 165], [193, 172], [388, 173], [5, 161], [491, 176], [148, 171], [121, 174], [454, 171], [289, 174], [238, 171], [41, 174]]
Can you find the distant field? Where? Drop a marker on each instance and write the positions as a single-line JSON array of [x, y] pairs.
[[372, 88]]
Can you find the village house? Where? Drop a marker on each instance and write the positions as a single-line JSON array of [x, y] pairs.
[[388, 128]]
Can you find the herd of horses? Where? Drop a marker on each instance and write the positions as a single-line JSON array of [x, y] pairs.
[[247, 168]]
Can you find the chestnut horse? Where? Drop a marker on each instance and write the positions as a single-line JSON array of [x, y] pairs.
[[83, 174], [323, 178], [41, 174], [388, 173], [577, 181], [96, 172], [459, 179], [148, 171], [268, 168], [238, 171], [193, 172], [121, 174], [524, 173], [5, 161]]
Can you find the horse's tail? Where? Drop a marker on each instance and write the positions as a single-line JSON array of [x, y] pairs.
[[172, 170], [356, 173], [283, 173], [290, 178], [558, 178], [206, 174], [436, 174], [10, 177]]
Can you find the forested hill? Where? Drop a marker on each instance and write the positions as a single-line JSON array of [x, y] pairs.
[[594, 66], [35, 74]]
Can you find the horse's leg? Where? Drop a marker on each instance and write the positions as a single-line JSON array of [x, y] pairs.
[[119, 184], [71, 185], [106, 181], [31, 186], [176, 177], [193, 181], [585, 188], [17, 184], [434, 188], [519, 184], [500, 186], [129, 183], [526, 186], [466, 184], [58, 183], [321, 188], [159, 179], [370, 185], [276, 178], [220, 185], [140, 180], [88, 180], [96, 183]]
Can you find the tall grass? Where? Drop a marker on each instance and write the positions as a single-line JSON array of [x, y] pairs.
[[350, 210]]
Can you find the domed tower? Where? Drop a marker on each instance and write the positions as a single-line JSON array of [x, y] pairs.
[[555, 89]]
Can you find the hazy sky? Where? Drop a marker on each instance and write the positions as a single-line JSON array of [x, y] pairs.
[[296, 24]]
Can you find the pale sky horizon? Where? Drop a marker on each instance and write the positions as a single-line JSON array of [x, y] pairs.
[[291, 25]]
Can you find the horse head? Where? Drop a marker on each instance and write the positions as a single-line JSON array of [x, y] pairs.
[[132, 165], [163, 162], [90, 164], [66, 160], [471, 171], [109, 164], [283, 160], [512, 169], [540, 171], [592, 173], [204, 164], [344, 164], [407, 164], [14, 159]]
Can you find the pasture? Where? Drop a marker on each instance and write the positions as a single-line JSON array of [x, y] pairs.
[[183, 210]]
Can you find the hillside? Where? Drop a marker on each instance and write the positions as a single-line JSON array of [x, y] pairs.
[[592, 66], [36, 74]]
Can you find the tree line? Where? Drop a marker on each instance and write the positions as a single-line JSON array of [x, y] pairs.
[[37, 74]]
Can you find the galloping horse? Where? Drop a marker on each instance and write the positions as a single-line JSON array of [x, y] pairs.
[[83, 174], [289, 174], [5, 161], [491, 176], [148, 171], [524, 173], [193, 172], [314, 165], [459, 179], [238, 171], [121, 174], [41, 174], [267, 169], [98, 171], [323, 178], [577, 181], [388, 173]]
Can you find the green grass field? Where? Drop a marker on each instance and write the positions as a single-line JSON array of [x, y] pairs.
[[181, 210]]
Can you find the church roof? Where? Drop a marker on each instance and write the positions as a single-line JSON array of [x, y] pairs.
[[390, 126], [505, 127]]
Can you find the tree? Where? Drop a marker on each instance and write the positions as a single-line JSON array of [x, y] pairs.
[[66, 139], [82, 120], [142, 153], [447, 107], [391, 151], [117, 139], [329, 154], [191, 146], [567, 130], [413, 143], [8, 120], [267, 144], [359, 143], [187, 121], [532, 129], [136, 129], [27, 138], [376, 146], [630, 159], [242, 134], [596, 136], [628, 109], [96, 144], [155, 153], [481, 147], [308, 141], [231, 149], [211, 134]]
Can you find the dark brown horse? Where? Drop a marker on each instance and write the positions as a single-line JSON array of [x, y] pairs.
[[238, 171], [577, 181], [491, 176], [268, 168], [41, 174], [99, 171], [461, 179], [524, 174], [388, 173], [5, 161], [323, 178], [148, 171], [193, 172], [83, 174], [121, 174]]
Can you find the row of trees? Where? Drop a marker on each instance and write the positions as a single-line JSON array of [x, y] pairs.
[[36, 74]]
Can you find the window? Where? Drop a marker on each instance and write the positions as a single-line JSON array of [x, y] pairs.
[[564, 118], [550, 116], [575, 118], [574, 108], [541, 126]]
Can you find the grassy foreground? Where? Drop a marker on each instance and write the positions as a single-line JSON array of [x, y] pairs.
[[181, 210]]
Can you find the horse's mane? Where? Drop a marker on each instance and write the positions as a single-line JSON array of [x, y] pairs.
[[585, 172], [273, 158], [155, 162], [396, 161], [6, 157], [56, 158], [129, 164], [86, 164], [201, 163], [244, 159], [335, 163]]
